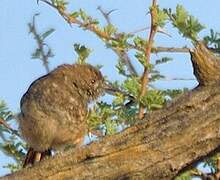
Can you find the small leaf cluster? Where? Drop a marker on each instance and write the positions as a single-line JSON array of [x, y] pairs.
[[187, 24], [10, 143], [5, 115], [213, 40], [43, 52], [161, 18], [184, 176], [139, 42], [211, 162], [61, 4], [84, 19], [119, 41], [37, 54], [100, 119], [83, 53], [110, 29]]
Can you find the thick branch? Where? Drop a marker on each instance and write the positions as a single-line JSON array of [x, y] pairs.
[[158, 148]]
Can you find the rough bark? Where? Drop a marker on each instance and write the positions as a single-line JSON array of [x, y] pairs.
[[159, 147], [206, 65]]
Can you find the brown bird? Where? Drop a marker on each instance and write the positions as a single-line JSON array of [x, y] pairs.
[[54, 108]]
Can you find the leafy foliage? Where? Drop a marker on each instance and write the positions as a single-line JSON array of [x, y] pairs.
[[163, 60], [184, 176], [161, 18], [43, 52], [187, 24], [60, 3], [110, 29], [10, 142], [211, 162], [213, 40], [83, 53]]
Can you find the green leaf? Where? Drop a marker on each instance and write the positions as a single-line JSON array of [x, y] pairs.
[[74, 14], [94, 21], [110, 29], [184, 176], [187, 24], [132, 85], [13, 167], [60, 3], [36, 54], [141, 58], [83, 15], [121, 68], [181, 15], [47, 33], [156, 76], [161, 18], [139, 42], [172, 93], [83, 53], [119, 99], [111, 127], [4, 111], [163, 60], [153, 99], [213, 40]]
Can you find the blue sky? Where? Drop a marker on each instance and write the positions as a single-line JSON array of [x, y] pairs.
[[18, 70]]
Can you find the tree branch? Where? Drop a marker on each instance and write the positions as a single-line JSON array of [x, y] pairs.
[[157, 148], [122, 54], [145, 78], [170, 50]]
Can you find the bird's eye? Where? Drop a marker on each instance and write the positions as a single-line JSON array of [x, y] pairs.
[[93, 81]]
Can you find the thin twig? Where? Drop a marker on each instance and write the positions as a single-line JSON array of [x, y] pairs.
[[170, 50], [110, 89], [5, 124], [138, 30], [49, 3], [106, 15], [177, 79], [144, 78], [163, 31], [40, 43], [123, 55]]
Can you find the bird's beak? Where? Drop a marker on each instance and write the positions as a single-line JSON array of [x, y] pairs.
[[108, 88]]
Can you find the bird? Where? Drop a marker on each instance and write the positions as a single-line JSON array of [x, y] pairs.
[[55, 107]]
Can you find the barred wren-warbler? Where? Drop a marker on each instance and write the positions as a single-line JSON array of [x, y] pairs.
[[54, 108]]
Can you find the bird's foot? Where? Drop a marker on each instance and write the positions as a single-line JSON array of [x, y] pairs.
[[33, 157]]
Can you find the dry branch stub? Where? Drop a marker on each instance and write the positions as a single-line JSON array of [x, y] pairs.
[[206, 65]]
